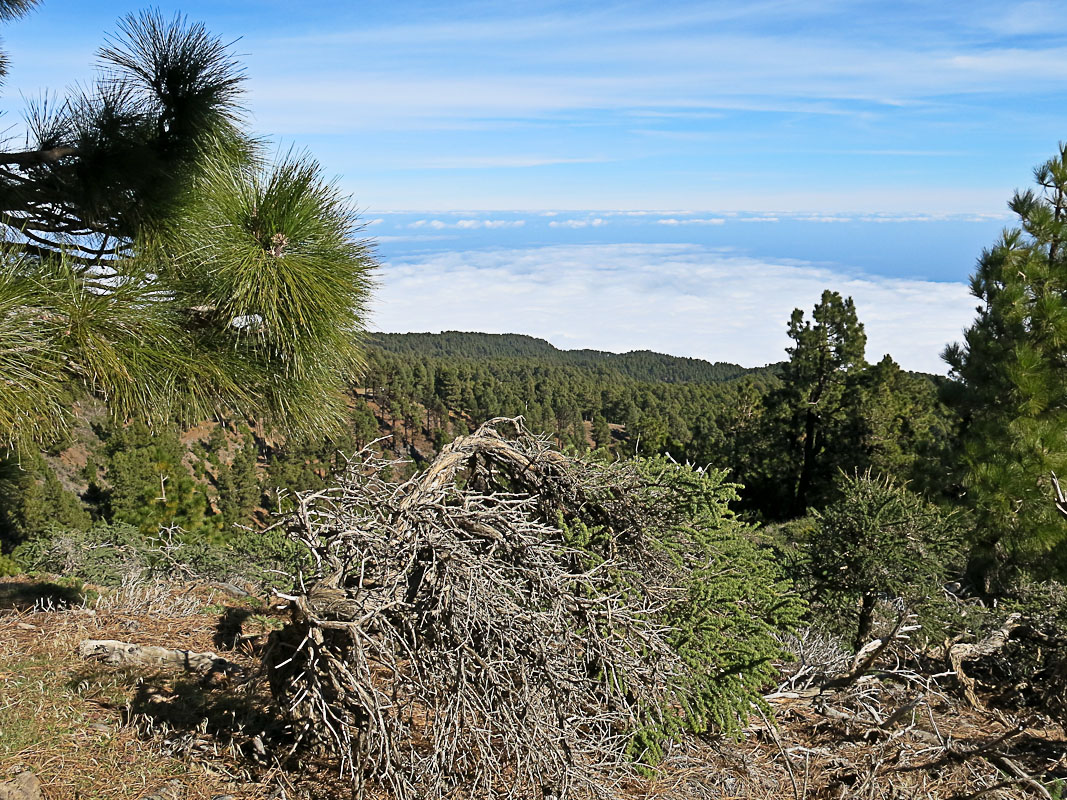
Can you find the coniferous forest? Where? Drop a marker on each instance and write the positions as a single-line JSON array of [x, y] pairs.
[[250, 549]]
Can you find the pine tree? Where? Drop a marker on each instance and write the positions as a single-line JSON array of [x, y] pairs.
[[819, 392], [601, 430], [151, 257], [150, 486], [878, 540], [238, 484], [1012, 369], [906, 431]]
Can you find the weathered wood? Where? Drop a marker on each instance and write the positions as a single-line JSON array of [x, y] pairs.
[[449, 638], [24, 786], [968, 651], [116, 653]]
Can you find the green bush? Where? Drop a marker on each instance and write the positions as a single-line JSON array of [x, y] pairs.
[[118, 553], [9, 567], [266, 559], [104, 554], [880, 542], [727, 602], [32, 498]]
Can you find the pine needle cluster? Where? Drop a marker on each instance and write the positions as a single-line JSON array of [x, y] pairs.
[[154, 258]]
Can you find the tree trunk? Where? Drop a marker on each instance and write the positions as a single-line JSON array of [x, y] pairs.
[[863, 630], [807, 467]]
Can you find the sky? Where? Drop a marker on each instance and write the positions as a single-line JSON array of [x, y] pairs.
[[555, 158]]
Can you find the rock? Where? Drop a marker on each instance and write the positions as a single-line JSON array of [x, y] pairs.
[[230, 589], [174, 790], [24, 787]]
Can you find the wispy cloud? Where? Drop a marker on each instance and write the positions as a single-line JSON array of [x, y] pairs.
[[490, 224], [467, 224], [679, 299], [596, 222], [676, 221], [774, 105]]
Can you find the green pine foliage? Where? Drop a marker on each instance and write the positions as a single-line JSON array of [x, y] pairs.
[[237, 484], [33, 499], [906, 431], [101, 553], [115, 554], [563, 399], [832, 411], [1012, 391], [729, 606], [150, 486], [879, 542], [735, 603], [818, 397], [154, 260], [9, 567]]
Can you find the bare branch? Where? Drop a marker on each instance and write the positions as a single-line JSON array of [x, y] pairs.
[[30, 158], [454, 643]]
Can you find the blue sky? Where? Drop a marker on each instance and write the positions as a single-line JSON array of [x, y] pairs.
[[884, 138]]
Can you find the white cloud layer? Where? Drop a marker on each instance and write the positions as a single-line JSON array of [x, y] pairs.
[[577, 223], [680, 299], [675, 221], [467, 224]]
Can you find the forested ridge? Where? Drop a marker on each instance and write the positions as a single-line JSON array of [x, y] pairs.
[[424, 390], [638, 364]]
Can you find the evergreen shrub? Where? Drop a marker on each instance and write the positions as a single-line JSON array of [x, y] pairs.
[[118, 553], [881, 543], [728, 605], [9, 567]]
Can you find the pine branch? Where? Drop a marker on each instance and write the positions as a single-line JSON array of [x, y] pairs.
[[29, 158]]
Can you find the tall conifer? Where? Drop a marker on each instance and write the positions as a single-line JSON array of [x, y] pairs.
[[1012, 368]]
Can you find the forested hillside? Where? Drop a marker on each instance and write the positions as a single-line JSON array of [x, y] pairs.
[[642, 365], [423, 390], [742, 420]]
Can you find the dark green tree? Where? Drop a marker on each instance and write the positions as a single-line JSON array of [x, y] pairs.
[[152, 258], [878, 541], [906, 431], [149, 484], [1012, 370], [238, 484], [818, 395], [601, 430], [32, 499]]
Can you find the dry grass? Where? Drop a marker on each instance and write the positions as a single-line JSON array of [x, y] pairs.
[[77, 726]]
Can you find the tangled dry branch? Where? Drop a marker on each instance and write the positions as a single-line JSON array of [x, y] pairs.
[[451, 644]]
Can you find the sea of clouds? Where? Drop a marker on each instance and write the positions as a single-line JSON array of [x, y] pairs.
[[682, 299]]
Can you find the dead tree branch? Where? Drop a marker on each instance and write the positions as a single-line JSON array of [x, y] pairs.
[[117, 653], [451, 641], [968, 651]]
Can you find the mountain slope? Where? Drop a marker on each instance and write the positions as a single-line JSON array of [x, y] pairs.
[[641, 365]]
